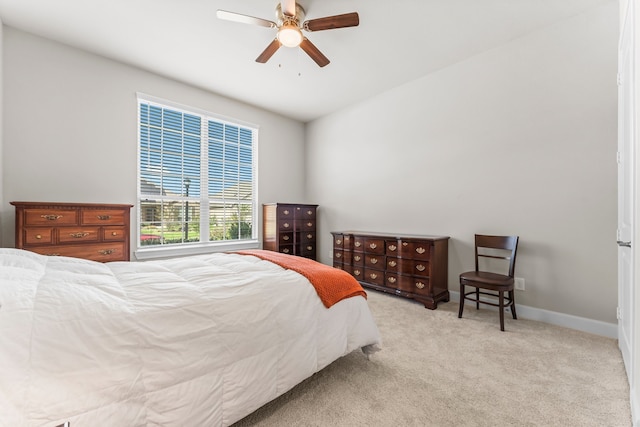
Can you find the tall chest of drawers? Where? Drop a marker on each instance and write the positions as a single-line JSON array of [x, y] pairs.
[[98, 232], [289, 228], [410, 266]]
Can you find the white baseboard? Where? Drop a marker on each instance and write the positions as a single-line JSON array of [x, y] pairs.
[[597, 327], [635, 407]]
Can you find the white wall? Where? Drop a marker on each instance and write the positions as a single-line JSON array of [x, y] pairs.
[[517, 140], [1, 126], [70, 131]]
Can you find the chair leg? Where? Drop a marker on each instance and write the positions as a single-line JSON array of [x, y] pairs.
[[512, 295], [501, 303], [461, 301], [477, 298]]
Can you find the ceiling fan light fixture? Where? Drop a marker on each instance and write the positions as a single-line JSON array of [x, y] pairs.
[[290, 35]]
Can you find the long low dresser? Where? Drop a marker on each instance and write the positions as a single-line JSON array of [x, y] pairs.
[[411, 266], [99, 232]]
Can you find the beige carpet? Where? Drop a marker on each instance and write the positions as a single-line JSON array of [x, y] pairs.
[[438, 370]]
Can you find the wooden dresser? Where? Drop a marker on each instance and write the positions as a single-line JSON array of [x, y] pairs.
[[409, 266], [289, 228], [98, 232]]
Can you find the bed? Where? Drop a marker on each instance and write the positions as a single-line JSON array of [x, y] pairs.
[[196, 341]]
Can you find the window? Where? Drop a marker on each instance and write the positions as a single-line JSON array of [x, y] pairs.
[[196, 178]]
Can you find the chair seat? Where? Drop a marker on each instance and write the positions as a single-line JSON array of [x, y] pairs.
[[488, 278]]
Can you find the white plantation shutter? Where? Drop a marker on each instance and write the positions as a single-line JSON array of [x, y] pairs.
[[196, 176]]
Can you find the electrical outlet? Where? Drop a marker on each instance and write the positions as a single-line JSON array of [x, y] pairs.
[[519, 284]]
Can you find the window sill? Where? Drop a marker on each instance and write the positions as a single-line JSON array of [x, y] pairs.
[[193, 249]]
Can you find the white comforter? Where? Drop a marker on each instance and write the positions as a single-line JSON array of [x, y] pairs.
[[197, 341]]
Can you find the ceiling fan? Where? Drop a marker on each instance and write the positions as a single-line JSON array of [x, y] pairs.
[[289, 22]]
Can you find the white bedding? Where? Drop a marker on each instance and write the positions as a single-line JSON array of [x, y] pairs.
[[196, 341]]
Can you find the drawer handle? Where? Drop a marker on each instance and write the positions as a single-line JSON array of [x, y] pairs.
[[286, 212], [79, 235], [106, 251], [374, 260], [104, 217], [338, 242], [373, 275], [286, 225], [420, 267], [285, 238], [338, 255], [51, 217], [419, 285], [309, 248], [392, 263], [356, 272], [285, 250], [114, 233], [309, 236], [38, 236], [309, 224], [309, 212], [391, 279], [373, 246], [405, 244], [357, 244], [421, 250], [357, 258], [392, 247]]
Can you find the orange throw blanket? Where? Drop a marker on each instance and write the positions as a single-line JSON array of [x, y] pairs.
[[332, 284]]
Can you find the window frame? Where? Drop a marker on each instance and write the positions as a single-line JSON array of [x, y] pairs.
[[202, 246]]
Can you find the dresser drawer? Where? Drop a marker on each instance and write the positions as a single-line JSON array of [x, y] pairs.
[[102, 217], [50, 217], [38, 236], [391, 280], [286, 238], [306, 212], [285, 212], [78, 234], [408, 266], [102, 252], [308, 225], [358, 243], [110, 234], [308, 251], [373, 276], [374, 246], [374, 261], [357, 258], [414, 285], [357, 272], [286, 226], [308, 236], [288, 249], [414, 250], [391, 247]]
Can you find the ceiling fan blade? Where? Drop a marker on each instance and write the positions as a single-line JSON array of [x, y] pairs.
[[330, 22], [288, 7], [269, 51], [313, 52], [244, 19]]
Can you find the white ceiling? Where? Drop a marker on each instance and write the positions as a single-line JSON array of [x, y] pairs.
[[396, 42]]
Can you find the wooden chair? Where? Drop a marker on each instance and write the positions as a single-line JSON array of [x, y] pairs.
[[488, 249]]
